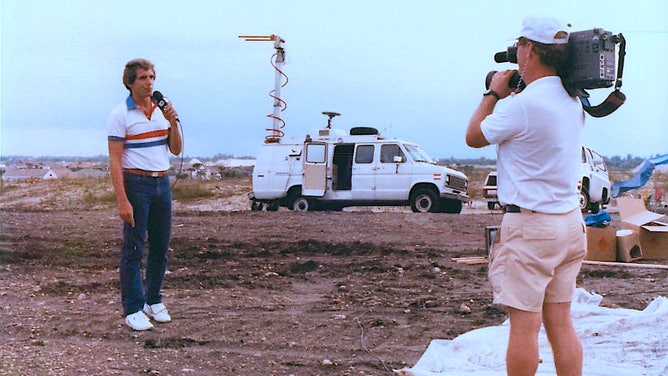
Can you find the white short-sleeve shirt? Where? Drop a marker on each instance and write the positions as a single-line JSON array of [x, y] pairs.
[[145, 140], [538, 134]]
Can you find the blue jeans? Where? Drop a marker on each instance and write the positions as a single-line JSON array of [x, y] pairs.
[[151, 200]]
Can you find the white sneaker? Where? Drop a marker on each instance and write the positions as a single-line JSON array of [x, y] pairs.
[[158, 312], [138, 321]]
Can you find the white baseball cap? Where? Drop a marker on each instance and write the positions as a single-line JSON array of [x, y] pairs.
[[544, 30]]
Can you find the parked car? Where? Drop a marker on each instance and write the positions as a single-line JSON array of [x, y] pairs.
[[594, 183], [489, 190]]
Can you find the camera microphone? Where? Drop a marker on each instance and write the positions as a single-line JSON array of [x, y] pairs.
[[161, 101]]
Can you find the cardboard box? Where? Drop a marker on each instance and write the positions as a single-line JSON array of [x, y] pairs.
[[652, 233], [601, 244], [628, 246]]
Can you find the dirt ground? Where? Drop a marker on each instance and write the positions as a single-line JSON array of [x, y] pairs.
[[357, 292]]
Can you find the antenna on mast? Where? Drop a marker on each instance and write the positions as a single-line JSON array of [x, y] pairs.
[[277, 60]]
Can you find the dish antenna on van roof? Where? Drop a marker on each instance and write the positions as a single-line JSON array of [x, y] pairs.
[[281, 79], [331, 115]]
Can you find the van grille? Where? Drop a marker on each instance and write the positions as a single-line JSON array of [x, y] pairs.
[[458, 183]]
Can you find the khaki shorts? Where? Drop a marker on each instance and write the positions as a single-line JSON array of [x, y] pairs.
[[537, 259]]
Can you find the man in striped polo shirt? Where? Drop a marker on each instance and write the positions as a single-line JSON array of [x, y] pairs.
[[140, 137]]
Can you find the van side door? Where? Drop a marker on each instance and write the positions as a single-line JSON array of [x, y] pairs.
[[393, 176], [314, 171], [364, 172]]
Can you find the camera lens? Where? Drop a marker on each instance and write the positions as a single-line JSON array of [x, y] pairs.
[[512, 83]]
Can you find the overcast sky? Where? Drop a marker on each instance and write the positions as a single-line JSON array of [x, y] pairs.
[[412, 69]]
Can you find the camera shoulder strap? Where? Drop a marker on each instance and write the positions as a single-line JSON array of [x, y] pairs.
[[608, 106]]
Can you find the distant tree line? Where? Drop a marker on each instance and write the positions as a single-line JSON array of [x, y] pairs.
[[616, 163], [104, 158]]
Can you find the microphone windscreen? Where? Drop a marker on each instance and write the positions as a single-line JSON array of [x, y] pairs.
[[157, 96], [160, 99]]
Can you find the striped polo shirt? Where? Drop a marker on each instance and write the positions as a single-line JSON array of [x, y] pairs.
[[145, 140]]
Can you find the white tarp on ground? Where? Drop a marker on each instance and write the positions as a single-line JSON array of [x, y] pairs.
[[615, 341]]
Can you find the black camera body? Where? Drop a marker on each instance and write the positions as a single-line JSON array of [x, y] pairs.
[[591, 65], [592, 62]]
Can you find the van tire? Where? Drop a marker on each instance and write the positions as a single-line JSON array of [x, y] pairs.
[[585, 200], [424, 200], [595, 207], [297, 202], [256, 206], [451, 206], [273, 205]]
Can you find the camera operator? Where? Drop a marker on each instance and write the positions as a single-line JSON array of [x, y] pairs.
[[541, 244]]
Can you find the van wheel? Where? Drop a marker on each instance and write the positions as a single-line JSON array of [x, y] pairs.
[[585, 201], [424, 200], [595, 207], [272, 206], [451, 206], [256, 206], [300, 203], [490, 205]]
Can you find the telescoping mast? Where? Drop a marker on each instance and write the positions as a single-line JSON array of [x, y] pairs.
[[281, 79]]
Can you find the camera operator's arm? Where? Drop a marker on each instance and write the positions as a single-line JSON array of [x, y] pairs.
[[498, 89]]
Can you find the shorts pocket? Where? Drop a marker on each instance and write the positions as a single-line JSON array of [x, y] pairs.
[[538, 233]]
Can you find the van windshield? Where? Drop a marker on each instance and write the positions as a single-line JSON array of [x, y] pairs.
[[417, 154]]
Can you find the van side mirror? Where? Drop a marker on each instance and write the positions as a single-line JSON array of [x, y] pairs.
[[397, 159]]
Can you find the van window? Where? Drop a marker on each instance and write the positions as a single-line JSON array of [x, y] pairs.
[[584, 155], [418, 154], [315, 153], [388, 152], [598, 160], [364, 154]]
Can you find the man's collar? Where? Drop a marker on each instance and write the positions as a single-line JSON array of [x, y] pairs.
[[130, 103]]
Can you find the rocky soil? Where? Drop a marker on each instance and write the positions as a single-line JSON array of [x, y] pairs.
[[358, 292]]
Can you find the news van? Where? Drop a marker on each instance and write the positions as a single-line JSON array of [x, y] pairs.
[[334, 169]]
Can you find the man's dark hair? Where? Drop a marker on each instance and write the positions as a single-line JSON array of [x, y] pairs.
[[551, 55], [130, 71]]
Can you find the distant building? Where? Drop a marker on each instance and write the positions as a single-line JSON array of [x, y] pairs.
[[16, 174], [234, 162]]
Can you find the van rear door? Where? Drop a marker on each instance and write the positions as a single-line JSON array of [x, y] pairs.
[[314, 182]]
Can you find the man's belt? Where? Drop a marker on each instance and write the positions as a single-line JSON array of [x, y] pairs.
[[512, 209], [153, 174]]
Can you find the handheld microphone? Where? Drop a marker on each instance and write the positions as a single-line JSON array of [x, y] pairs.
[[161, 101]]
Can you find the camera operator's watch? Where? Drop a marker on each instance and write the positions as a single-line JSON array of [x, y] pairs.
[[492, 93]]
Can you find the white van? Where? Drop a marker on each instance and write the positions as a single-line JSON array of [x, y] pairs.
[[336, 169]]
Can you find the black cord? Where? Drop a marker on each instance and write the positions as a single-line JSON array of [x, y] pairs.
[[183, 146], [367, 349]]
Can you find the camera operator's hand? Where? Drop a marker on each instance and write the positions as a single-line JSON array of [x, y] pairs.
[[500, 83]]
